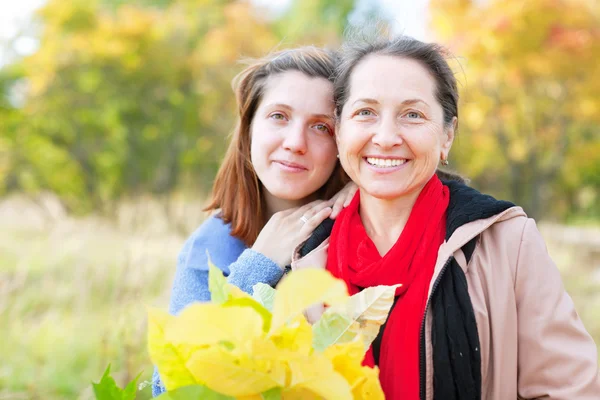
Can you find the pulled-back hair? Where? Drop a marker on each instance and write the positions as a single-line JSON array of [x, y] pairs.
[[237, 192]]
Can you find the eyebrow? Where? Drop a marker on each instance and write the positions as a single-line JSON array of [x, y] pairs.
[[405, 102], [282, 105]]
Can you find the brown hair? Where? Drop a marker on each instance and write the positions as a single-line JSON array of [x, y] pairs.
[[237, 191], [430, 55]]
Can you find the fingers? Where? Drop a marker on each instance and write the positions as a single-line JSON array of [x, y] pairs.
[[309, 213], [315, 220], [338, 206], [343, 199], [310, 209]]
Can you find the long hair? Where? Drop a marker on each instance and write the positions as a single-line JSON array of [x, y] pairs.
[[237, 191]]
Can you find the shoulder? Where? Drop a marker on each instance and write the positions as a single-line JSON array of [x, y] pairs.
[[212, 239], [514, 243]]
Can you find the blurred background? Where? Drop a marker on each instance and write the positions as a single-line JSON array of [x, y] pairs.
[[114, 116]]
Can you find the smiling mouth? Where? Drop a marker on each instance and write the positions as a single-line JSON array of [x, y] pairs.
[[385, 162]]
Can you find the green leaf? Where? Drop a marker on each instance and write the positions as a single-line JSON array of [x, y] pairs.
[[332, 328], [193, 392], [107, 388], [131, 389], [264, 294], [364, 313], [217, 283], [272, 394]]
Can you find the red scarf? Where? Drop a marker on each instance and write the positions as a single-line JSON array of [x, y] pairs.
[[354, 258]]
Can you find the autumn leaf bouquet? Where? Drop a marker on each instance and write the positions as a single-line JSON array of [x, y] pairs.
[[262, 347]]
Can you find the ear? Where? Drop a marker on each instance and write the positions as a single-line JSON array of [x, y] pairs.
[[448, 138]]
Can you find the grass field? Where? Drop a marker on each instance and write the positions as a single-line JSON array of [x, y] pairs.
[[73, 291]]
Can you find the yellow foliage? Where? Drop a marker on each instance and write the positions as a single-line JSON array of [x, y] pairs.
[[364, 381], [308, 287], [228, 347]]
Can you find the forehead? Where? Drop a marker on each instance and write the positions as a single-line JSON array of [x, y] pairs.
[[298, 90], [386, 77]]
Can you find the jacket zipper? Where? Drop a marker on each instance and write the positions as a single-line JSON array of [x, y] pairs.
[[422, 355]]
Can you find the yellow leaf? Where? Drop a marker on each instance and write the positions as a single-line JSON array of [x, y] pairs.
[[293, 339], [368, 388], [346, 359], [364, 381], [251, 303], [302, 289], [315, 374], [204, 324], [170, 359], [236, 374]]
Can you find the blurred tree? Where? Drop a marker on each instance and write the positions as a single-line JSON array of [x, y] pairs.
[[531, 111], [134, 96], [10, 121], [315, 21]]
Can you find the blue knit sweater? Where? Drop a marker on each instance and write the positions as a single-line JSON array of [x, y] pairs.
[[243, 267]]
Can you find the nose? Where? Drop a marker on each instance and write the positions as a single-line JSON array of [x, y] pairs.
[[295, 139], [387, 134]]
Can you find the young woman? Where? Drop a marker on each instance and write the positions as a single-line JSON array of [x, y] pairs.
[[482, 312], [269, 193]]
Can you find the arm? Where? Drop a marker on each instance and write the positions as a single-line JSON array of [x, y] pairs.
[[191, 284], [244, 268], [557, 357]]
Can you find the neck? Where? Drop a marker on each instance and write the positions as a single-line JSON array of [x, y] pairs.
[[385, 219], [275, 204]]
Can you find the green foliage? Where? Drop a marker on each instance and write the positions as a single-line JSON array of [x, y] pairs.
[[273, 394], [264, 294], [133, 96], [107, 388], [331, 328], [217, 284]]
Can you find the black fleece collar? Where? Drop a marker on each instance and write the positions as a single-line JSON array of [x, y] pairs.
[[468, 205]]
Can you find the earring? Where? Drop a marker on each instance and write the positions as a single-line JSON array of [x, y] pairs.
[[337, 155], [444, 162]]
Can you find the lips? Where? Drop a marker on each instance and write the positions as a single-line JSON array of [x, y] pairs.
[[291, 165]]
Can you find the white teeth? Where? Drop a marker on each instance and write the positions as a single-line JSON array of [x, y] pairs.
[[385, 163]]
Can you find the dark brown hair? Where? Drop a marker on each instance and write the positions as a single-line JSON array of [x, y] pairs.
[[237, 192], [430, 55]]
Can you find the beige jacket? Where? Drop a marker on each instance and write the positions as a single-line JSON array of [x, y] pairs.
[[533, 344]]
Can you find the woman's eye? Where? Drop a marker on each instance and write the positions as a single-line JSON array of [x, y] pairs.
[[413, 114], [364, 113], [277, 116], [323, 128]]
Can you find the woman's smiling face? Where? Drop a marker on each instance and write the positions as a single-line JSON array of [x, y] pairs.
[[391, 132], [293, 150]]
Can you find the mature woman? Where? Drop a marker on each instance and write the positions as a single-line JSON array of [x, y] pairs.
[[482, 312], [280, 163]]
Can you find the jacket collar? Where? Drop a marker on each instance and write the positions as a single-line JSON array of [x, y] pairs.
[[469, 214]]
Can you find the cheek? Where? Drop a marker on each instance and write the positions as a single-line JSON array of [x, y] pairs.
[[262, 138], [350, 141], [324, 152], [424, 143]]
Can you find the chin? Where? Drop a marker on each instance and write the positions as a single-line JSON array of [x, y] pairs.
[[291, 193], [384, 193]]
